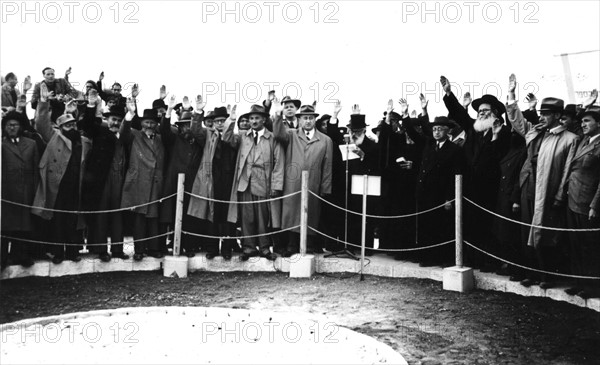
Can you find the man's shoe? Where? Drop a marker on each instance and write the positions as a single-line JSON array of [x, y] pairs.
[[190, 254], [227, 256], [120, 255], [528, 282], [211, 255], [516, 277], [138, 256], [156, 254], [74, 258], [27, 262], [547, 285], [57, 260], [244, 257], [104, 257], [573, 290], [269, 256]]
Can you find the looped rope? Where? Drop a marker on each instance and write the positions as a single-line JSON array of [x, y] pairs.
[[239, 237], [241, 202], [532, 225], [382, 216], [85, 244], [382, 249], [530, 268], [90, 211]]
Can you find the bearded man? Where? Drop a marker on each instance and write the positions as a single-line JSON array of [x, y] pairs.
[[487, 141]]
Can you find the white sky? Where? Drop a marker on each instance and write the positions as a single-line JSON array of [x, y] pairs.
[[370, 55]]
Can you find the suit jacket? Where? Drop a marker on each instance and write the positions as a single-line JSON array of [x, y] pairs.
[[62, 86], [584, 178], [7, 100], [435, 182], [19, 179]]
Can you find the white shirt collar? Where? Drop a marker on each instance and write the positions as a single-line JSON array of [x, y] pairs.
[[310, 134], [461, 135], [592, 139]]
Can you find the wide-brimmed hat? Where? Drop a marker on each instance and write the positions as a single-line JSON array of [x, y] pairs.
[[570, 110], [323, 118], [65, 118], [159, 103], [287, 99], [255, 109], [492, 101], [220, 112], [592, 113], [357, 121], [306, 110], [443, 121], [115, 110], [151, 114], [186, 117], [552, 105]]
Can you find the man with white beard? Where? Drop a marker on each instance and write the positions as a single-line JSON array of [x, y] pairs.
[[487, 141]]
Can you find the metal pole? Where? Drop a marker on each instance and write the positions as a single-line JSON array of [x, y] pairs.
[[304, 213], [178, 215], [364, 228], [458, 220]]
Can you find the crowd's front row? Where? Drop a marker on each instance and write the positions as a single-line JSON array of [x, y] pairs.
[[542, 170]]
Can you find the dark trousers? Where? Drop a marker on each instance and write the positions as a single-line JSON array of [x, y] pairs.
[[222, 230], [255, 220], [435, 227], [144, 227], [18, 249], [63, 228], [584, 247], [103, 225]]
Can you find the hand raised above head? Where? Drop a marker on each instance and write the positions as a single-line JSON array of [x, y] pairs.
[[163, 92], [445, 84], [101, 77], [200, 103], [424, 101], [355, 109], [172, 102], [403, 106], [276, 107], [337, 107], [186, 103], [93, 98], [390, 106], [131, 105], [467, 99], [233, 114], [27, 84], [591, 99], [512, 83], [531, 101], [135, 91]]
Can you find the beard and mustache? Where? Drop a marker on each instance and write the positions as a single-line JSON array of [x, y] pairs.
[[483, 124], [73, 135]]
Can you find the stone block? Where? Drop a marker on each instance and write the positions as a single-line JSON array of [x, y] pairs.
[[113, 265], [458, 279], [302, 266], [559, 294], [40, 268], [175, 266], [85, 266]]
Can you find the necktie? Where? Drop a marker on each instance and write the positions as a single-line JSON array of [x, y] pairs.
[[437, 146], [15, 140], [255, 138], [308, 136], [585, 143]]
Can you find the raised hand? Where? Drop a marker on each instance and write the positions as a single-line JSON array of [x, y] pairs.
[[413, 114], [314, 104], [424, 101], [531, 101], [467, 99], [200, 103], [591, 100], [390, 106], [512, 83], [93, 98], [355, 109], [233, 114], [337, 107], [163, 92], [135, 91], [497, 126], [68, 72], [271, 95], [186, 103], [228, 108], [27, 84], [101, 77], [276, 108], [44, 94], [70, 106], [131, 106], [445, 84], [172, 101], [403, 107]]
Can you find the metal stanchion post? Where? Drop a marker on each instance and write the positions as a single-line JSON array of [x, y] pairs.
[[178, 215], [458, 220], [304, 213]]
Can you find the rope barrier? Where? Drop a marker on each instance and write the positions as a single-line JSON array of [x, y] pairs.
[[86, 244], [90, 211], [532, 225], [530, 268], [383, 249], [242, 202], [240, 237], [382, 216]]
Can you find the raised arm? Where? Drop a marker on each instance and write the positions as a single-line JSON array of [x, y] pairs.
[[515, 116], [456, 111], [280, 130], [168, 137], [43, 124]]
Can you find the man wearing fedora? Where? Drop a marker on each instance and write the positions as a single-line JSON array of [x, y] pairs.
[[306, 149], [550, 151], [441, 160], [290, 108], [487, 141], [103, 178], [144, 179], [20, 160], [184, 149], [214, 180], [259, 172], [583, 190], [61, 173]]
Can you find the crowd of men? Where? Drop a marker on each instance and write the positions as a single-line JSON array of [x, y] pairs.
[[95, 151]]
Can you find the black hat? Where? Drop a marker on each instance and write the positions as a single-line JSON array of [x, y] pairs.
[[306, 110], [159, 103], [287, 99], [443, 121], [186, 117], [220, 112], [552, 105], [324, 118], [492, 101], [570, 110], [255, 109], [594, 113], [150, 114], [357, 121], [115, 110]]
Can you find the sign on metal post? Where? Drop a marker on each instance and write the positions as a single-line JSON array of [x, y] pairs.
[[365, 185]]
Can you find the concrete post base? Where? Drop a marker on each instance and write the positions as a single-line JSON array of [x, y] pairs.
[[458, 279], [302, 266], [175, 266]]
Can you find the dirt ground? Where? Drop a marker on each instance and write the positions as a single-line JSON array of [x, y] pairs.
[[424, 323]]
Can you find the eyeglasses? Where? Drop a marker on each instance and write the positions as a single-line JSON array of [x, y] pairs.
[[484, 110], [439, 129]]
